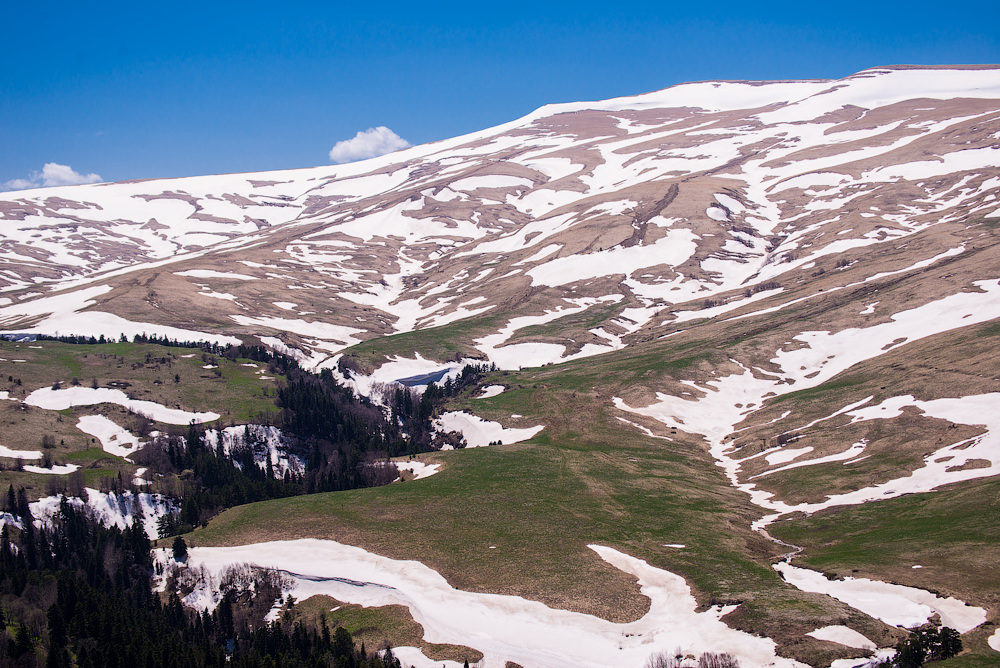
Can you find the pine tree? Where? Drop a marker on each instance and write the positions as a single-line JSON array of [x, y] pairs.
[[180, 549]]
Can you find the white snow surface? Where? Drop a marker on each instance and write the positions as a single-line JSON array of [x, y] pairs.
[[505, 628], [491, 391], [341, 336], [893, 604], [19, 454], [63, 313], [112, 509], [526, 355], [203, 217], [57, 469], [843, 635], [413, 657], [479, 432], [62, 399], [994, 640], [878, 656], [786, 455], [114, 439], [418, 469], [850, 453]]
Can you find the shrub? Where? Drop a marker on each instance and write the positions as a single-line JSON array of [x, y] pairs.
[[713, 660]]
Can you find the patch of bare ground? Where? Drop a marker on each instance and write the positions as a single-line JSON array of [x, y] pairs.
[[377, 627]]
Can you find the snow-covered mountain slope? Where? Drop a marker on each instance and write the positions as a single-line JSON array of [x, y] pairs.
[[801, 277], [680, 200], [829, 221]]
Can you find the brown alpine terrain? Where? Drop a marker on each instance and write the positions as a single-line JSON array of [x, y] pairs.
[[794, 284]]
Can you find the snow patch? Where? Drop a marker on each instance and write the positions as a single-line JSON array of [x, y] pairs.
[[55, 470], [112, 509], [19, 454], [266, 442], [479, 432], [994, 640], [418, 469], [57, 400], [842, 635], [114, 439], [893, 604]]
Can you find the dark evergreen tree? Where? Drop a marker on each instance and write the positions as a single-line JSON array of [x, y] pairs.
[[180, 549]]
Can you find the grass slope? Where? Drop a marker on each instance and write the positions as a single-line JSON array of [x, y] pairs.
[[236, 392], [588, 478], [952, 534]]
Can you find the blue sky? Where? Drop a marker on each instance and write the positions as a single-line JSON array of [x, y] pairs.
[[142, 90]]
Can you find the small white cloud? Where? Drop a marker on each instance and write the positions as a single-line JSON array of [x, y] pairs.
[[19, 184], [52, 174], [371, 143]]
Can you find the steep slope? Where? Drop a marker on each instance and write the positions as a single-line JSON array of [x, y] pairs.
[[794, 284]]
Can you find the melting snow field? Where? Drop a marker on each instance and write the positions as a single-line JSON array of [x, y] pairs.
[[266, 442], [418, 469], [114, 439], [396, 369], [479, 432], [57, 400], [19, 454], [893, 604], [112, 509], [842, 635], [491, 391], [63, 313], [504, 628], [55, 470], [534, 354], [724, 402]]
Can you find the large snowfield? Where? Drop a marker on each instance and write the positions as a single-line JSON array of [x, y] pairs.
[[504, 628]]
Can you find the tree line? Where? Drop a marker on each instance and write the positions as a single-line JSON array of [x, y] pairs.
[[77, 593]]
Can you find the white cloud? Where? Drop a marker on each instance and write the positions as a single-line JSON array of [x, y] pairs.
[[371, 143], [52, 174]]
